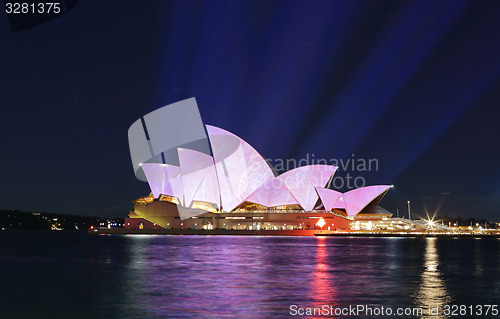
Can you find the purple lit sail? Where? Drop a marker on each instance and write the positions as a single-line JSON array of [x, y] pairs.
[[352, 201]]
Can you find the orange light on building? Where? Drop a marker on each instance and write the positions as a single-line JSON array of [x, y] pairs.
[[321, 222]]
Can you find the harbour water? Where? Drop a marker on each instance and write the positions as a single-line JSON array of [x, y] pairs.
[[76, 275]]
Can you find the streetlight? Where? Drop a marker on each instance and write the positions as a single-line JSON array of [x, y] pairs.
[[409, 211]]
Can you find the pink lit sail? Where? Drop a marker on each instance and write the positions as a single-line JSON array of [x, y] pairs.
[[240, 168], [261, 195], [163, 179], [301, 182], [172, 175], [357, 199], [199, 177], [352, 201], [175, 188], [281, 195], [273, 193], [155, 174], [328, 196], [341, 203]]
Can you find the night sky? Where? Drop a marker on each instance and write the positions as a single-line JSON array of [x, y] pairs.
[[413, 84]]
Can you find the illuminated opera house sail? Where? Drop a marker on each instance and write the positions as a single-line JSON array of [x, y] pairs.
[[204, 177]]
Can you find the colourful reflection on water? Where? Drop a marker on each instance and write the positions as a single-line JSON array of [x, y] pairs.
[[200, 276], [323, 292], [237, 277], [432, 292], [322, 284]]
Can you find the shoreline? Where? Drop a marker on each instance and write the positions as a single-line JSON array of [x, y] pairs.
[[319, 233]]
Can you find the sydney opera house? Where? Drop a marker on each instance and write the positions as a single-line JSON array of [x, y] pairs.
[[204, 177]]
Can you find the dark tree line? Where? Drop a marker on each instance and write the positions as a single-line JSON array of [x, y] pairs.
[[15, 220]]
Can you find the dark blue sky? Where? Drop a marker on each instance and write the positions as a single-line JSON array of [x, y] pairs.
[[413, 84]]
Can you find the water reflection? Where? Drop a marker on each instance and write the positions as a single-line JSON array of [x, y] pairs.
[[322, 285], [261, 277], [197, 277], [73, 275], [432, 291], [478, 258]]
